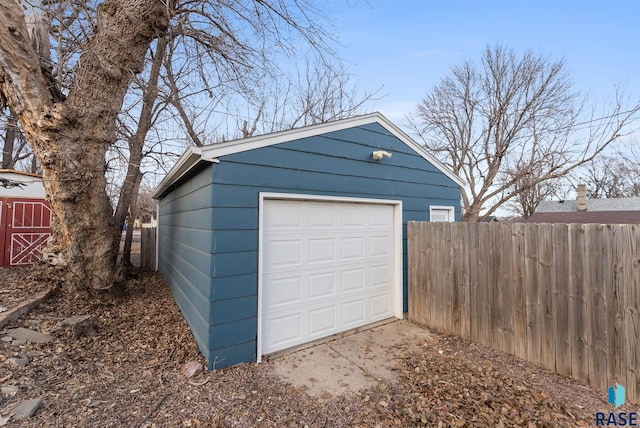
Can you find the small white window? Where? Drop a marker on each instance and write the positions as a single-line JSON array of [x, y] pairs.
[[437, 213]]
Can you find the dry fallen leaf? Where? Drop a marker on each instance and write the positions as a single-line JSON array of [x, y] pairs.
[[191, 368]]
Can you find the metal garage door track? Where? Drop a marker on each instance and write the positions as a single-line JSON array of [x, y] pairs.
[[354, 360]]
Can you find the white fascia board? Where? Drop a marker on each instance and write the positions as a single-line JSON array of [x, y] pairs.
[[187, 161], [245, 144], [237, 146]]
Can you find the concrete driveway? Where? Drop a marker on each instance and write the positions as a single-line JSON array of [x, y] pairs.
[[350, 361]]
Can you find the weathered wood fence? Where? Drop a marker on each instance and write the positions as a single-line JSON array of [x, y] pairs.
[[563, 296]]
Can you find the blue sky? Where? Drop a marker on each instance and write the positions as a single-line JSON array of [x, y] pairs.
[[408, 46]]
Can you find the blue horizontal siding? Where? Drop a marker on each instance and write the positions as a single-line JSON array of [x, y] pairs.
[[233, 333], [234, 264], [198, 239], [231, 355], [236, 218], [185, 242], [229, 310], [234, 240], [198, 323], [230, 172], [398, 166], [230, 287]]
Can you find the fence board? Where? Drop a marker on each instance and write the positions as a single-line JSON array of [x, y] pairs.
[[484, 325], [632, 318], [532, 296], [561, 300], [545, 290], [474, 278], [446, 278], [614, 319], [578, 304], [148, 248], [456, 282], [494, 294], [418, 301], [435, 292], [506, 291], [597, 266], [518, 280], [562, 296]]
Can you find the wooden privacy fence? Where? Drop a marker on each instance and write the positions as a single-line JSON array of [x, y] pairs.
[[563, 296]]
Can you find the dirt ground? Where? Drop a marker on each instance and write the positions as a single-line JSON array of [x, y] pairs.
[[128, 372]]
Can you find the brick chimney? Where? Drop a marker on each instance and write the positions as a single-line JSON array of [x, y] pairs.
[[582, 197]]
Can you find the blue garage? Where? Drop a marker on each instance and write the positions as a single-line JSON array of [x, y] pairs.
[[273, 241]]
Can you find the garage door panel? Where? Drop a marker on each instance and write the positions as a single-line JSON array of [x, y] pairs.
[[322, 216], [380, 306], [284, 329], [380, 276], [322, 285], [322, 250], [352, 215], [379, 217], [352, 248], [353, 313], [322, 320], [285, 291], [333, 273], [285, 216], [380, 246], [284, 253], [353, 280]]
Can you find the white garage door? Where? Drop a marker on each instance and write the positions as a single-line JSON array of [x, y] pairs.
[[326, 267]]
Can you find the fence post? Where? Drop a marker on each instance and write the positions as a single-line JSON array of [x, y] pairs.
[[148, 249]]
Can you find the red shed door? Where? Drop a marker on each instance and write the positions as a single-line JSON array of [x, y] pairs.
[[27, 228], [3, 229]]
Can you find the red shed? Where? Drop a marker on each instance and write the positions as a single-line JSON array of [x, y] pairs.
[[25, 218]]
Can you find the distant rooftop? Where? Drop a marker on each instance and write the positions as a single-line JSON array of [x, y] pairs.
[[603, 211], [613, 204]]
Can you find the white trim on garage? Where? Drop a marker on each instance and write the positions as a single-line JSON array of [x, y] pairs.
[[397, 247]]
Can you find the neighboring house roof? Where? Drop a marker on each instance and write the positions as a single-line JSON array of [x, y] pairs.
[[613, 204], [604, 211], [30, 185], [13, 171], [211, 153]]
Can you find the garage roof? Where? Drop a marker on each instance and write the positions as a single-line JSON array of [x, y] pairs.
[[195, 155]]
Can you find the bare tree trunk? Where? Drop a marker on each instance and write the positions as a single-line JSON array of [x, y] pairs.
[[128, 240], [136, 142], [70, 135]]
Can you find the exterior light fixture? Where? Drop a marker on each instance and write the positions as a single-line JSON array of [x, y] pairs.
[[380, 154]]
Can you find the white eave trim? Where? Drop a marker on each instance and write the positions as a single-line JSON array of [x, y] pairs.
[[187, 161], [213, 152]]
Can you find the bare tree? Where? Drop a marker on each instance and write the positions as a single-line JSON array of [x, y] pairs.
[[510, 124], [14, 146], [71, 130], [612, 176], [528, 197]]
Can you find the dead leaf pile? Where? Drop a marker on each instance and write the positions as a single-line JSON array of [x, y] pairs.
[[132, 371]]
